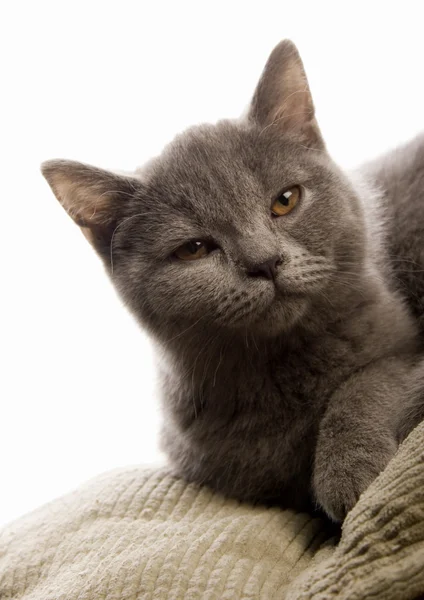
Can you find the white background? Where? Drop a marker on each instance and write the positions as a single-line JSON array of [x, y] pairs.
[[110, 83]]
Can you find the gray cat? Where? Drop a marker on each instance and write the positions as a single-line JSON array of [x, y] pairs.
[[284, 297]]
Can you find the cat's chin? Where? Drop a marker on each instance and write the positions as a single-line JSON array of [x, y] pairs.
[[279, 318]]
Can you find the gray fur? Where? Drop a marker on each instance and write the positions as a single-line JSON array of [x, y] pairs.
[[295, 391]]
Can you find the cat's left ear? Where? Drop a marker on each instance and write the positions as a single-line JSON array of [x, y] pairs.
[[282, 99], [94, 198]]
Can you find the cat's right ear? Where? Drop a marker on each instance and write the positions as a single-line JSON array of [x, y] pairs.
[[94, 198], [283, 100]]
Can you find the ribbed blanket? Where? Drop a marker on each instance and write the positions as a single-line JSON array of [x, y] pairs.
[[137, 534]]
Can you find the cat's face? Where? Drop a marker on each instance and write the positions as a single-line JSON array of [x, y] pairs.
[[217, 186], [243, 225]]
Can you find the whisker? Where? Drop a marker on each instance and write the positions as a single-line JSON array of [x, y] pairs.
[[185, 330]]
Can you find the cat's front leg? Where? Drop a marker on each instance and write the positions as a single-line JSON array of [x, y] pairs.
[[358, 433]]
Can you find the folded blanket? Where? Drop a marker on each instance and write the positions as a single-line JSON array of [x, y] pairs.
[[381, 552], [142, 534]]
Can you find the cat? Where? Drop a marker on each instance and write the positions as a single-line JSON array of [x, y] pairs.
[[283, 296]]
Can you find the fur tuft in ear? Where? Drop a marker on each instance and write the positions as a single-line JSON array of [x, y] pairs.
[[283, 99], [94, 198]]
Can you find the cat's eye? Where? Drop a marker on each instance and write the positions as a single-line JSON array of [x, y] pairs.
[[193, 250], [286, 201]]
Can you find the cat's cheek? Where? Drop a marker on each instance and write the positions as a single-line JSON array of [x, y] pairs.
[[185, 292]]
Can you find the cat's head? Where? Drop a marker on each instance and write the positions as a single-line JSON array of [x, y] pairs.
[[243, 225]]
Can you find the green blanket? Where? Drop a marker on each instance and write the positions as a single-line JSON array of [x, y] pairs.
[[137, 534]]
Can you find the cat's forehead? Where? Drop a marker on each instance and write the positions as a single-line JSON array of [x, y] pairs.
[[212, 144], [226, 158]]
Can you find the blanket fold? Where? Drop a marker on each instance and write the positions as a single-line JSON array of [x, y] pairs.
[[381, 552], [139, 533]]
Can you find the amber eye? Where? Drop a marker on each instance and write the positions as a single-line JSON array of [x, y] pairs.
[[286, 201], [192, 250]]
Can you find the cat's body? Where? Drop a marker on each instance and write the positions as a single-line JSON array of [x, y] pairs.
[[284, 297], [400, 177], [247, 419]]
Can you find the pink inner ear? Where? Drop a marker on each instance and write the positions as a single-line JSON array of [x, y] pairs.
[[91, 196], [296, 110], [292, 106], [283, 99], [86, 204]]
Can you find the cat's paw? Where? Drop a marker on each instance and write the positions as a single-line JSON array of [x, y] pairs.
[[339, 482], [347, 460], [338, 495]]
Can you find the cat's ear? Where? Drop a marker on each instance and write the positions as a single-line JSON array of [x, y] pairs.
[[94, 198], [283, 99]]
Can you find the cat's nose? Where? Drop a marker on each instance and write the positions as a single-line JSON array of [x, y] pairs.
[[267, 269]]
